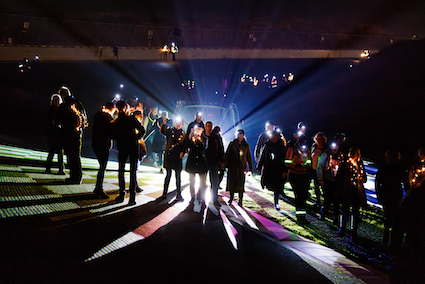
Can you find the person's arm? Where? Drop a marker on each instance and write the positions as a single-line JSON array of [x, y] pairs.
[[321, 166], [249, 159]]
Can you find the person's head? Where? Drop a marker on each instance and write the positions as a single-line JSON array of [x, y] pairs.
[[275, 136], [302, 143], [240, 135], [301, 127], [217, 129], [153, 110], [355, 153], [164, 114], [341, 138], [421, 154], [64, 92], [55, 100], [199, 116], [178, 122], [269, 126], [138, 114], [109, 107], [208, 128], [320, 138], [122, 106], [391, 156], [334, 146]]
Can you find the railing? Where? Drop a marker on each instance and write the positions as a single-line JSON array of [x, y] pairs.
[[45, 31]]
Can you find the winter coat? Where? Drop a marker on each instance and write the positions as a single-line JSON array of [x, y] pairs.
[[175, 145], [272, 160], [354, 176], [196, 161]]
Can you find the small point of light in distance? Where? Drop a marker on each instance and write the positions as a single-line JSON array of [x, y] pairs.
[[121, 86]]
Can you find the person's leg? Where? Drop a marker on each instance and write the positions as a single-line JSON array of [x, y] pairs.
[[213, 170], [202, 187], [52, 151], [192, 185], [133, 175], [179, 185], [102, 157], [166, 182], [122, 157]]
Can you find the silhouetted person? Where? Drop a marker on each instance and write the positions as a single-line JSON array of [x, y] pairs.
[[262, 139], [174, 151], [158, 143], [217, 131], [353, 191], [215, 156], [149, 124], [102, 144], [197, 122], [115, 51], [53, 135], [197, 163], [127, 130], [389, 189], [72, 120], [272, 164], [236, 160]]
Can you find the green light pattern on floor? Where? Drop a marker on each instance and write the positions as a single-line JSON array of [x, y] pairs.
[[28, 197], [23, 190], [37, 209]]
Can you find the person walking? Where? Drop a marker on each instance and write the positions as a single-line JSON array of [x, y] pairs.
[[328, 173], [53, 135], [102, 144], [215, 155], [127, 131], [298, 162], [271, 166], [389, 182], [175, 148], [236, 160], [353, 191], [197, 163]]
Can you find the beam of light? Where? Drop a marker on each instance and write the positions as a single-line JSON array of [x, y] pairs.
[[142, 232], [230, 230], [126, 240]]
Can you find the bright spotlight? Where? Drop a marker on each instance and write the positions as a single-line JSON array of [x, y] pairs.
[[121, 86], [117, 96]]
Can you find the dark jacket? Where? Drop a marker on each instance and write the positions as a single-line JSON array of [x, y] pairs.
[[237, 156], [70, 122], [192, 125], [196, 161], [272, 160], [354, 177], [388, 183], [127, 131], [101, 133], [214, 149], [329, 165], [175, 144], [261, 141], [159, 139]]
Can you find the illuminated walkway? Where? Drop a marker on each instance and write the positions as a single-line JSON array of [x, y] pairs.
[[57, 233]]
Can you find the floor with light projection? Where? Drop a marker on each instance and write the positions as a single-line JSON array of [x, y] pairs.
[[52, 232]]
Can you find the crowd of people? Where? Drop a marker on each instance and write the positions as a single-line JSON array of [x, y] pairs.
[[335, 170]]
